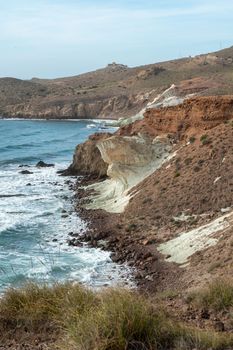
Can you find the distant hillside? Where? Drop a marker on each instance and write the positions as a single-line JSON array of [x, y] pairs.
[[114, 91]]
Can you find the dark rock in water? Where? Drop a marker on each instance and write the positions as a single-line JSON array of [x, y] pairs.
[[74, 234], [26, 172], [61, 172], [75, 243], [115, 258], [23, 166], [29, 184], [42, 164]]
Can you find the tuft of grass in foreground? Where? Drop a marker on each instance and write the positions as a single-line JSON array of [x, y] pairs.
[[217, 296], [39, 307], [113, 319]]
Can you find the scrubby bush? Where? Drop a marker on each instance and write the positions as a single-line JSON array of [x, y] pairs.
[[192, 139], [205, 139], [177, 174]]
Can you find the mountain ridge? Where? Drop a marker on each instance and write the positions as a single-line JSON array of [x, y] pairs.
[[114, 91]]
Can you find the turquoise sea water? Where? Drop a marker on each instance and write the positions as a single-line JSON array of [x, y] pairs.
[[33, 233]]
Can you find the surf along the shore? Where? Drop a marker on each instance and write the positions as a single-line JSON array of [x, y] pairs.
[[36, 208]]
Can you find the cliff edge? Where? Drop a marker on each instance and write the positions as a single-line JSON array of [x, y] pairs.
[[169, 193]]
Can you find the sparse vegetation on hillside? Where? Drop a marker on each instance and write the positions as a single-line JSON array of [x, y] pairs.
[[113, 90]]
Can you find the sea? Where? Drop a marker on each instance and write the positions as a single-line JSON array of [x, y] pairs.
[[34, 230]]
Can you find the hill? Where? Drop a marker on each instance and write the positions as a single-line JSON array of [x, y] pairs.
[[117, 90], [166, 204]]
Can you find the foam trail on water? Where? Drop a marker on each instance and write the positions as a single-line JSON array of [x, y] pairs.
[[36, 211]]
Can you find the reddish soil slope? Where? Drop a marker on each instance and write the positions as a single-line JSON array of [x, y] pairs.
[[190, 118]]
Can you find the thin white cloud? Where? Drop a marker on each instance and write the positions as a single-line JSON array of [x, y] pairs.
[[54, 37], [76, 22]]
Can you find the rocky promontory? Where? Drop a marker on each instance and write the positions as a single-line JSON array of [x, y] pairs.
[[166, 204], [159, 197], [87, 158]]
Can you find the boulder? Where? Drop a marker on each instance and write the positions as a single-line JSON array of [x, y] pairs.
[[26, 172], [42, 164]]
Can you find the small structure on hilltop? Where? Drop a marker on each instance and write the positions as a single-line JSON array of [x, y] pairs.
[[117, 66]]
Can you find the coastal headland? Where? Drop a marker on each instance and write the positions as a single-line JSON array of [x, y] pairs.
[[157, 193]]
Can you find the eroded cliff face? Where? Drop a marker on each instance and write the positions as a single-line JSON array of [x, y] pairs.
[[75, 108], [175, 197], [187, 206], [190, 118], [130, 160], [136, 151], [125, 160], [175, 95], [87, 159]]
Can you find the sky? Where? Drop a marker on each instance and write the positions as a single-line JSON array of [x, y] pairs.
[[55, 38]]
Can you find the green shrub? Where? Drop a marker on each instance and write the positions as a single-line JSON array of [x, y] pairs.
[[192, 139], [205, 139], [122, 320], [131, 227], [177, 174]]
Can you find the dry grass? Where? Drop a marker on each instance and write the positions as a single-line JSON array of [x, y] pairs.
[[113, 319], [36, 312], [218, 296]]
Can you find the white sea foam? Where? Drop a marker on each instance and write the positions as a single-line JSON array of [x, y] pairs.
[[33, 233]]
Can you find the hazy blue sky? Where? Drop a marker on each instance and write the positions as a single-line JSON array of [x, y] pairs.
[[51, 38]]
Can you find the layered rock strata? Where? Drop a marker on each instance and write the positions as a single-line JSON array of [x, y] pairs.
[[87, 158], [130, 160], [173, 188], [193, 116]]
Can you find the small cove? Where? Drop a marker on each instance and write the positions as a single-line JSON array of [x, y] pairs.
[[33, 231]]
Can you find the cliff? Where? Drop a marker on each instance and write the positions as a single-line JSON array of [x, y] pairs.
[[130, 160], [169, 178], [87, 159], [190, 118]]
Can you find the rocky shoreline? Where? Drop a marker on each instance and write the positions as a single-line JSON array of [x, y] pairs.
[[128, 245], [146, 188], [174, 230]]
